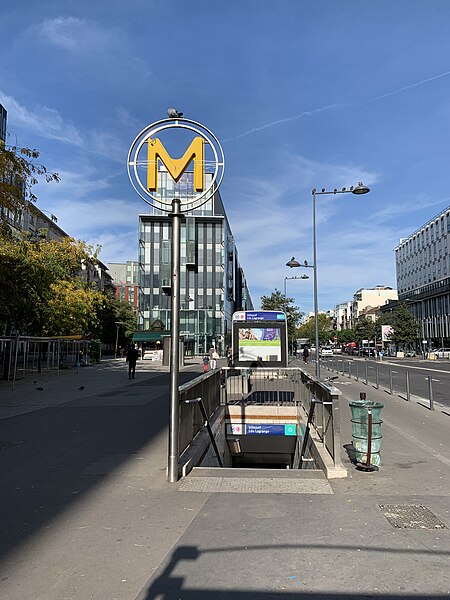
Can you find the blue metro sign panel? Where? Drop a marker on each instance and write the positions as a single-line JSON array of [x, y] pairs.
[[262, 429]]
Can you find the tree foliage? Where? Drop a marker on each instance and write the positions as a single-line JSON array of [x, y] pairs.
[[326, 332], [278, 301], [117, 320], [405, 326], [345, 336], [364, 330], [19, 172], [37, 277]]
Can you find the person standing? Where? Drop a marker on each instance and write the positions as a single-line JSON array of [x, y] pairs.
[[205, 363], [213, 356], [132, 356]]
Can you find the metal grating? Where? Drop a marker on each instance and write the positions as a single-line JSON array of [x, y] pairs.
[[411, 516]]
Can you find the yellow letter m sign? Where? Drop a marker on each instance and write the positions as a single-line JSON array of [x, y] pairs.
[[175, 166]]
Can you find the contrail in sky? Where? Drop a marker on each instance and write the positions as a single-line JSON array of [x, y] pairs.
[[308, 113], [408, 87]]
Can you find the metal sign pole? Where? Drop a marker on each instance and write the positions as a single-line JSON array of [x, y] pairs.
[[175, 345]]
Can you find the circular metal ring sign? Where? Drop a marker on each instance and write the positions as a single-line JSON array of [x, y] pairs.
[[158, 177]]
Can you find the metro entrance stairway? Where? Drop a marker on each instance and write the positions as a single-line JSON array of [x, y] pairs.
[[259, 418]]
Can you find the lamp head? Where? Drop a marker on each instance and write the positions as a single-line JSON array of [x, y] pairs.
[[360, 189], [173, 113], [293, 263]]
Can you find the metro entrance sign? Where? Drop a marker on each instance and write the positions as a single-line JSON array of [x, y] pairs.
[[261, 429], [165, 183], [149, 161]]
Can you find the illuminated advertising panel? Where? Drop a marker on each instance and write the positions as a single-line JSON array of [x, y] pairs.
[[259, 338], [260, 343]]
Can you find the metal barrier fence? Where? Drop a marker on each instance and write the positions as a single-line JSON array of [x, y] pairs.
[[22, 355], [392, 380], [275, 387], [208, 388]]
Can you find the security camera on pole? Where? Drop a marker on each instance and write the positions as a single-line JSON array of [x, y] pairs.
[[147, 153]]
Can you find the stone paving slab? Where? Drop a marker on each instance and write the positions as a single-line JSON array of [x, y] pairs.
[[255, 485]]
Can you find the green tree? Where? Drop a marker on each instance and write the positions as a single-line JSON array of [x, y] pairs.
[[19, 172], [364, 330], [345, 336], [33, 273], [113, 311], [405, 326], [72, 309], [278, 301], [326, 332]]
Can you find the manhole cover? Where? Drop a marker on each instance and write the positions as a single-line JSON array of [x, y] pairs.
[[411, 516]]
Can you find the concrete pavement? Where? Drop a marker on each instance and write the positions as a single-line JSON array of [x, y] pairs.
[[87, 511]]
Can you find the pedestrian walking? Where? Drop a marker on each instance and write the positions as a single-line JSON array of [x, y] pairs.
[[205, 363], [305, 354], [380, 355], [132, 356]]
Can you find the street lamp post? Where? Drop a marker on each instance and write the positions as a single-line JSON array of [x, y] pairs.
[[301, 277], [118, 324], [357, 190]]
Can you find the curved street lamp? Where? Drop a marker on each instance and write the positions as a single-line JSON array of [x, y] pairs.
[[358, 190], [286, 278]]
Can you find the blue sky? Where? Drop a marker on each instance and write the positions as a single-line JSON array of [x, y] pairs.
[[302, 94]]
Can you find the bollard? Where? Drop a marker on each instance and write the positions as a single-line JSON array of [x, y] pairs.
[[408, 392], [430, 391], [349, 369], [357, 372], [378, 377], [367, 373], [391, 391]]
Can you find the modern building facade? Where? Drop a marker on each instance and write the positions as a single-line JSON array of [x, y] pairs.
[[3, 117], [126, 280], [423, 277], [212, 282]]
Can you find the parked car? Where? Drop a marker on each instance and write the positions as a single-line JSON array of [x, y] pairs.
[[442, 353], [326, 351], [368, 352]]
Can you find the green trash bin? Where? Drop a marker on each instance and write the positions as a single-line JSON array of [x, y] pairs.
[[364, 412]]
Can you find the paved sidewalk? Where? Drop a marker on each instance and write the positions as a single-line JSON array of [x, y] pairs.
[[98, 519], [52, 388]]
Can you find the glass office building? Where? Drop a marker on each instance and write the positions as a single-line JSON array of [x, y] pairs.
[[212, 283], [423, 278], [3, 116]]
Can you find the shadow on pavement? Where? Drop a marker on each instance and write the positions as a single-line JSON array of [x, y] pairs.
[[44, 453], [168, 586]]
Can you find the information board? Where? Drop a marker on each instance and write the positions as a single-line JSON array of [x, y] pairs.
[[259, 339]]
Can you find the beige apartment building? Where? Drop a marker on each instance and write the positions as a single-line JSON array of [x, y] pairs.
[[367, 302]]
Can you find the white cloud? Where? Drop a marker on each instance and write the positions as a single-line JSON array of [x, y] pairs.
[[107, 53], [75, 35], [270, 229], [48, 123], [43, 121]]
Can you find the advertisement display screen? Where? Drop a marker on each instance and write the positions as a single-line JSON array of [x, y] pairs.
[[260, 344], [259, 339]]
